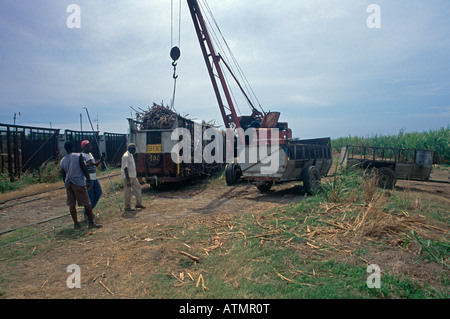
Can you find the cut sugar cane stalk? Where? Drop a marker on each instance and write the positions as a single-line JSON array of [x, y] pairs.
[[190, 256]]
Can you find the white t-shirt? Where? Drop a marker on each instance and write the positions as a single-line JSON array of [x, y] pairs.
[[89, 160], [128, 161]]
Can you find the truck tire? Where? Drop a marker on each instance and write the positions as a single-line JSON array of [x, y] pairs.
[[386, 178], [232, 173], [311, 179]]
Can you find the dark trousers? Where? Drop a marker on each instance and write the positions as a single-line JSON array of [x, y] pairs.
[[95, 193]]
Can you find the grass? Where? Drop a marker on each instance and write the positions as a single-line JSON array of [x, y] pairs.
[[272, 256], [317, 248], [49, 172], [7, 185], [31, 241], [437, 251], [265, 268]]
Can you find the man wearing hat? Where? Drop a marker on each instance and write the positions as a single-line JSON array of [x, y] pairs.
[[129, 175], [96, 191]]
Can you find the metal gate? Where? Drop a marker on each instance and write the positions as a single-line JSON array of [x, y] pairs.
[[26, 148], [76, 137], [115, 147]]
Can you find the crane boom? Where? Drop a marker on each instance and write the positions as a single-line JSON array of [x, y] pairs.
[[213, 61], [257, 119]]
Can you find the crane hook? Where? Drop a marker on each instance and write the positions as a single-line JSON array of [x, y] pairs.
[[174, 70]]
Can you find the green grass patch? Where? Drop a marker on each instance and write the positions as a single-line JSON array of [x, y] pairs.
[[265, 256]]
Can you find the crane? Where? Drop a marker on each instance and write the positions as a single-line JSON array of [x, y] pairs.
[[214, 61], [304, 160], [257, 119]]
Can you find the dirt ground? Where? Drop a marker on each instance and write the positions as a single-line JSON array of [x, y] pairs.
[[426, 187], [166, 205], [45, 276], [192, 200], [118, 253]]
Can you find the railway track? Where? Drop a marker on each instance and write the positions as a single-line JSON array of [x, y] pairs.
[[16, 200], [13, 208]]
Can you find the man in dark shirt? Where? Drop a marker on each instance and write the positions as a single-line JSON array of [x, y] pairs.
[[74, 173]]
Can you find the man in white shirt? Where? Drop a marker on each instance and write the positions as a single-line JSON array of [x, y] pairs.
[[128, 170]]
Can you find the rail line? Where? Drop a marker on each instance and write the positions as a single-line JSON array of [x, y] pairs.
[[35, 194], [24, 199]]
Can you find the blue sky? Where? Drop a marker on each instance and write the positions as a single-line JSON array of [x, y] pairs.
[[316, 62]]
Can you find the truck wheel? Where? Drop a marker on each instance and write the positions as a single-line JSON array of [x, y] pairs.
[[311, 179], [264, 187], [386, 178], [232, 173]]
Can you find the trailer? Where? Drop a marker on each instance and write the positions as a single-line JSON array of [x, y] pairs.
[[389, 163], [297, 160]]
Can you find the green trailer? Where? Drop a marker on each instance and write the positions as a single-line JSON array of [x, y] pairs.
[[389, 163]]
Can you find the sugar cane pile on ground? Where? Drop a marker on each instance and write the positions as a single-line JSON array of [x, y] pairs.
[[157, 117]]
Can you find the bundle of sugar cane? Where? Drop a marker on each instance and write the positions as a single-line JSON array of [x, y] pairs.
[[157, 117]]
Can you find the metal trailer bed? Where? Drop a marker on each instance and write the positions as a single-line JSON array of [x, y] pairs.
[[298, 160], [389, 163]]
